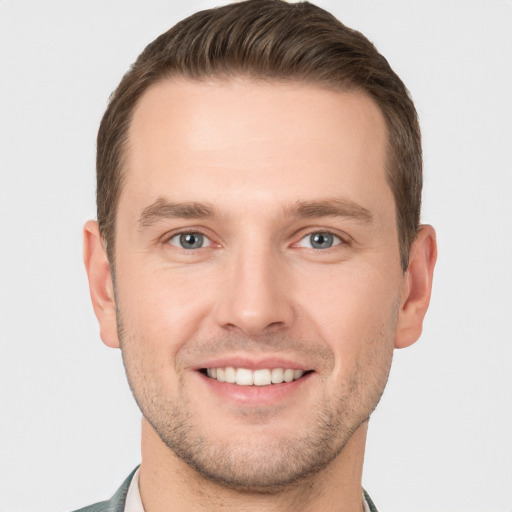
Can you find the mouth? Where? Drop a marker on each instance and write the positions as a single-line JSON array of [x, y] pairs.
[[259, 377]]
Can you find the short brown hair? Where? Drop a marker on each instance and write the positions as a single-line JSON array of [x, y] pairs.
[[268, 39]]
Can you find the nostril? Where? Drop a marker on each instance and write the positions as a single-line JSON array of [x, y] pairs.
[[275, 326]]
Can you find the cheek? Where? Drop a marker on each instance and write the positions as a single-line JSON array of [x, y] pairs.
[[160, 309], [354, 310], [358, 321]]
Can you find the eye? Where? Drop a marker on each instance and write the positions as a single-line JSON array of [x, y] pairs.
[[320, 240], [192, 240]]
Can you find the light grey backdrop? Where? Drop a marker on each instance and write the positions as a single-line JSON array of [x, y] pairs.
[[441, 439]]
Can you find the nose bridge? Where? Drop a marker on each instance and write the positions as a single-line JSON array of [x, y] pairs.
[[255, 298]]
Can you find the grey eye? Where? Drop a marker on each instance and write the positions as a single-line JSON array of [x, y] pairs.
[[320, 240], [189, 241]]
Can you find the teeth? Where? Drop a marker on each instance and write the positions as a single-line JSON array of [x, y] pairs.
[[246, 377], [262, 378], [288, 375], [277, 375], [230, 375]]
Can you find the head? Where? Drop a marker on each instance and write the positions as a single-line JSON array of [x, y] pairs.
[[269, 40], [259, 176]]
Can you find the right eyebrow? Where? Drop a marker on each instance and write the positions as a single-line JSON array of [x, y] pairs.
[[164, 209]]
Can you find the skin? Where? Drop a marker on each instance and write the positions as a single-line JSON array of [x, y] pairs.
[[256, 168]]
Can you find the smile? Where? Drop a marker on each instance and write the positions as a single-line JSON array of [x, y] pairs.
[[260, 377]]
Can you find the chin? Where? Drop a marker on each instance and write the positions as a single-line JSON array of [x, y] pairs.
[[266, 462]]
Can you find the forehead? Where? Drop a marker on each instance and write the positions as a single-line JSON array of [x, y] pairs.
[[270, 138]]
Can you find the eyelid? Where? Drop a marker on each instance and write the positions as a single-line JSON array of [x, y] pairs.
[[344, 240], [166, 239], [206, 241]]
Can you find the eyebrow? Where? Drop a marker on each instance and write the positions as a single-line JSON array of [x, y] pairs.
[[335, 207], [163, 209]]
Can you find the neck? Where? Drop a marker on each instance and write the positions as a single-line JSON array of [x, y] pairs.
[[167, 483]]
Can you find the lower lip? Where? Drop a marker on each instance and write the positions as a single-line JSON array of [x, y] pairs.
[[255, 395]]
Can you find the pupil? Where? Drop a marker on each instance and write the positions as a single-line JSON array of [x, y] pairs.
[[321, 240], [191, 240]]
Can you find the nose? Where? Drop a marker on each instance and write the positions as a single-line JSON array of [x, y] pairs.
[[256, 296]]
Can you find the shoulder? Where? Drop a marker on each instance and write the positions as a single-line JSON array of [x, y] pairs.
[[369, 503], [116, 503], [102, 506]]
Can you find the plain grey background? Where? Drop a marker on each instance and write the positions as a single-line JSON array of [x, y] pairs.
[[441, 439]]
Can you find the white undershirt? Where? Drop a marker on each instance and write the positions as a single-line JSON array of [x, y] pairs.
[[134, 502]]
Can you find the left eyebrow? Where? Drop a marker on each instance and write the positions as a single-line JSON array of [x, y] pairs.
[[334, 207], [164, 209]]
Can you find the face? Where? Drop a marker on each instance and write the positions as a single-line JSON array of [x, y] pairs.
[[258, 276]]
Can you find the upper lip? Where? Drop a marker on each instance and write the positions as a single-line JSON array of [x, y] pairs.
[[252, 363]]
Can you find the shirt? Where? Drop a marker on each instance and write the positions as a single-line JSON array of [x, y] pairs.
[[134, 501]]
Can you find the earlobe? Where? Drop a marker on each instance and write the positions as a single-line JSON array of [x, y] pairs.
[[417, 287], [100, 284]]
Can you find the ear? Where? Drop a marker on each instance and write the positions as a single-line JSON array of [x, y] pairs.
[[100, 284], [417, 287]]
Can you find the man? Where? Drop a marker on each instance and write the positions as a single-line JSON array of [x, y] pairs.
[[257, 256]]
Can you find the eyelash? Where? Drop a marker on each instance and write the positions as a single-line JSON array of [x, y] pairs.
[[168, 239], [342, 240]]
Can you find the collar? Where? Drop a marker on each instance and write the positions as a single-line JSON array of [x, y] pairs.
[[134, 501]]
